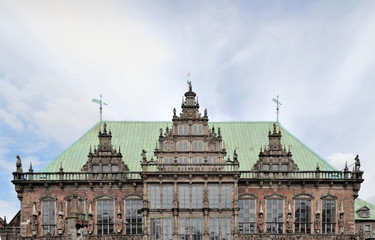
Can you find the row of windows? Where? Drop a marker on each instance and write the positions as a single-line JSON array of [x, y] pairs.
[[104, 217], [275, 216], [190, 160], [187, 146], [195, 130], [190, 196], [191, 228]]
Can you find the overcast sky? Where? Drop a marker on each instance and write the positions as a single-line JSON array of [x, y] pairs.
[[55, 56]]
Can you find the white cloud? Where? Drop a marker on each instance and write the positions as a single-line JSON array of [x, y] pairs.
[[338, 160], [9, 209]]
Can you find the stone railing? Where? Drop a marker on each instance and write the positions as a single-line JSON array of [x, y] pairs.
[[124, 176], [331, 175], [296, 236]]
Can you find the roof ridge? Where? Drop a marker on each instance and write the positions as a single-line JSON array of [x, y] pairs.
[[303, 144]]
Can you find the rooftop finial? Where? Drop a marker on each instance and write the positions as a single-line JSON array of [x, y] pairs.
[[101, 103], [31, 167], [278, 103], [105, 128], [189, 82]]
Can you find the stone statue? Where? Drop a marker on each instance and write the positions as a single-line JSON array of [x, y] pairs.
[[90, 225], [174, 111], [341, 223], [60, 223], [260, 224], [289, 224], [34, 225], [205, 112], [357, 162], [317, 223], [119, 223], [144, 159]]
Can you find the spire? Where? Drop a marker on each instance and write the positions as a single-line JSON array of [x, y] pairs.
[[278, 103], [61, 167], [31, 167]]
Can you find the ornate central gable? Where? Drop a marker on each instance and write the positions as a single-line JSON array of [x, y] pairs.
[[190, 144], [275, 157]]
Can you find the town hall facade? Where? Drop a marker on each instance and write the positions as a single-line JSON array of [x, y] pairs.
[[192, 180]]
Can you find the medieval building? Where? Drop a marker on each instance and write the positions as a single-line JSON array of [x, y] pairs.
[[189, 179]]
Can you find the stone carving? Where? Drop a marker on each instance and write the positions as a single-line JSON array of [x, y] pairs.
[[61, 224], [357, 162], [317, 223], [90, 225], [260, 224], [119, 222], [289, 223]]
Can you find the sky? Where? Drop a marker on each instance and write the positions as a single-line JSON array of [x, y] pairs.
[[56, 56]]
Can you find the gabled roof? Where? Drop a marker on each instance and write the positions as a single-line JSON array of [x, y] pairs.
[[246, 137], [362, 204]]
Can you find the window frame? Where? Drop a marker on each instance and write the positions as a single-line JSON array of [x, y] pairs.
[[250, 221], [129, 225], [49, 219], [105, 228], [329, 222], [279, 221], [299, 221]]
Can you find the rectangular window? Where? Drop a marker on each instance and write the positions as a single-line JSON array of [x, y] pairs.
[[190, 196], [367, 228], [167, 196], [182, 146], [197, 129], [275, 216], [246, 216], [184, 196], [212, 160], [197, 160], [197, 146], [220, 229], [196, 196], [183, 160], [190, 229], [168, 160], [213, 193], [48, 217], [105, 168], [95, 168], [105, 216], [133, 216], [284, 167], [114, 168], [155, 196], [225, 196], [302, 216], [182, 129], [275, 167], [265, 167], [161, 229], [328, 216]]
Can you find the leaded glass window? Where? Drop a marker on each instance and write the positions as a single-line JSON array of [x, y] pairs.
[[183, 129], [190, 196], [302, 216], [328, 216], [48, 217], [167, 196], [275, 215], [220, 228], [182, 146], [197, 129], [190, 229], [213, 193], [246, 216], [225, 196], [161, 229], [133, 216], [219, 196], [105, 216], [155, 196], [197, 146]]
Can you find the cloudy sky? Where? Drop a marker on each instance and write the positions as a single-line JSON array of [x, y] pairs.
[[55, 56]]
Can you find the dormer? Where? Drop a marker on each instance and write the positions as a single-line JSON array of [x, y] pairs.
[[105, 158], [275, 157], [364, 212]]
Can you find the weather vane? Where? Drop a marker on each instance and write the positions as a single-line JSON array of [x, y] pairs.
[[276, 100], [101, 103]]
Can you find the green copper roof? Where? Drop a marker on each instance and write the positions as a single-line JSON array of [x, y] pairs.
[[132, 137], [359, 203]]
